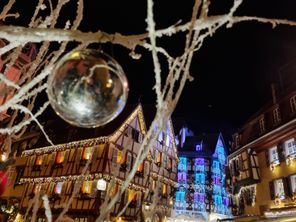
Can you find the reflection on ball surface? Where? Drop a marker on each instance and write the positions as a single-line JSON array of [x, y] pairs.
[[87, 88]]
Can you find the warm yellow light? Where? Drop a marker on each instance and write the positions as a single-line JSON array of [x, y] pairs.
[[75, 54], [141, 167], [109, 83], [86, 187], [38, 161], [60, 157], [86, 153], [131, 195], [119, 156], [3, 157]]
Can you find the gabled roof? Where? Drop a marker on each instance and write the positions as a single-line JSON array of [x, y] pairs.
[[208, 142], [60, 131]]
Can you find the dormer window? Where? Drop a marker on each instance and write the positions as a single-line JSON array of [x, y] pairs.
[[262, 125], [198, 147], [276, 116]]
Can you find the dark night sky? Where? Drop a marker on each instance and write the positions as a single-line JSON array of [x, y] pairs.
[[233, 70]]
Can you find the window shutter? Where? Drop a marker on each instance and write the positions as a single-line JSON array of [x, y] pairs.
[[271, 190], [287, 186], [128, 161], [66, 156], [94, 189], [280, 150], [139, 199], [267, 158], [140, 138], [146, 168], [129, 131]]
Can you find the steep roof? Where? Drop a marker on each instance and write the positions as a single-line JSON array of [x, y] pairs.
[[208, 141], [60, 131]]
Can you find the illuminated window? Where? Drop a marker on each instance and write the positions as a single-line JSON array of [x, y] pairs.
[[131, 195], [158, 158], [117, 156], [153, 185], [182, 164], [199, 164], [164, 189], [217, 189], [182, 177], [276, 116], [262, 125], [58, 188], [36, 188], [217, 200], [199, 197], [38, 161], [293, 183], [216, 180], [200, 178], [141, 168], [216, 167], [226, 201], [290, 148], [180, 196], [198, 147], [86, 187], [113, 190], [60, 157], [86, 153], [279, 189], [273, 155], [170, 164], [293, 104]]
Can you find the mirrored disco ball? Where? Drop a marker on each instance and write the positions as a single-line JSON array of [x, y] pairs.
[[87, 88]]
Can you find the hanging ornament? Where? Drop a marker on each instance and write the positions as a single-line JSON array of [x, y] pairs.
[[87, 88], [3, 182]]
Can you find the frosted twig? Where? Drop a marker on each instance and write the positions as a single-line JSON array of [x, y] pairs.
[[157, 69], [6, 9], [47, 208], [18, 127], [8, 82], [33, 117], [11, 46], [36, 205]]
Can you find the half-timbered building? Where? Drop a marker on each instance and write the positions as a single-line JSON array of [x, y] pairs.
[[262, 166], [96, 162]]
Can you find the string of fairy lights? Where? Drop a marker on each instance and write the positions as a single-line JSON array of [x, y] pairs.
[[91, 177]]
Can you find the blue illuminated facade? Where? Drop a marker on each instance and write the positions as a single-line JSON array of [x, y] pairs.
[[201, 177]]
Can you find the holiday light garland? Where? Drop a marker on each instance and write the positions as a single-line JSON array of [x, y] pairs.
[[65, 146], [88, 177]]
